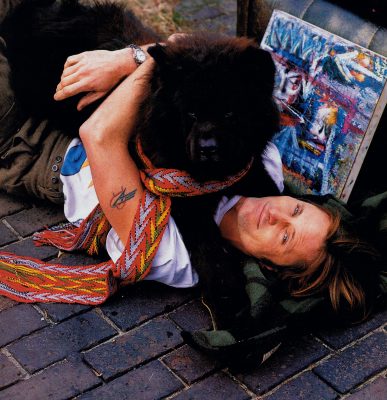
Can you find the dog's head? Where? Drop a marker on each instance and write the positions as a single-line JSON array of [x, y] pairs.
[[211, 104]]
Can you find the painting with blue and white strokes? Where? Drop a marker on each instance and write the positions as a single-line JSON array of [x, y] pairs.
[[331, 94]]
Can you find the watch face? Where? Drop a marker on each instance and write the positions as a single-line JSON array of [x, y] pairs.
[[140, 56]]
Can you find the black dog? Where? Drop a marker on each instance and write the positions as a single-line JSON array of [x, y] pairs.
[[210, 110]]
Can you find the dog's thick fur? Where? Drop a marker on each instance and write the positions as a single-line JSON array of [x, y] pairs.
[[209, 112], [41, 34]]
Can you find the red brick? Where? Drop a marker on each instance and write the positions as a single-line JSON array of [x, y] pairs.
[[6, 235], [216, 387], [306, 387], [355, 364], [18, 321], [56, 342], [60, 311], [9, 373], [192, 316], [138, 303], [10, 205], [27, 248], [376, 390], [190, 364], [29, 221], [289, 359], [152, 381], [134, 348], [61, 381], [340, 337]]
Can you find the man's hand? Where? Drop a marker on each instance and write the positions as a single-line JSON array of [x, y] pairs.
[[95, 72], [176, 36], [114, 120]]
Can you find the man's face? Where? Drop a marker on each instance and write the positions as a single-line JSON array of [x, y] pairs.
[[281, 229], [288, 83], [322, 124]]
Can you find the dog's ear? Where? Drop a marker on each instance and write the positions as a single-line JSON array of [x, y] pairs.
[[256, 70], [258, 65], [159, 53], [164, 57], [253, 55]]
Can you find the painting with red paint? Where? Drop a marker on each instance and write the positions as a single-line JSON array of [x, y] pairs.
[[331, 94]]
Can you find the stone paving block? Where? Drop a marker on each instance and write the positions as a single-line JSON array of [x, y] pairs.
[[152, 381], [305, 387], [225, 24], [60, 381], [18, 321], [289, 359], [81, 258], [9, 373], [143, 301], [203, 15], [376, 390], [133, 348], [340, 337], [58, 312], [229, 7], [29, 221], [355, 364], [56, 342], [215, 387], [192, 316], [6, 303], [27, 248], [197, 10], [10, 205], [6, 235], [190, 364]]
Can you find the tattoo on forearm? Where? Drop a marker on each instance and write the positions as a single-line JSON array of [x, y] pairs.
[[119, 199]]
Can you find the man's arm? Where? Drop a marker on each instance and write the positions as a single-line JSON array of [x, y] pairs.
[[94, 73], [105, 136]]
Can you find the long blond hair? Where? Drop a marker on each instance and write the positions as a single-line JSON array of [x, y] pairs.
[[340, 270]]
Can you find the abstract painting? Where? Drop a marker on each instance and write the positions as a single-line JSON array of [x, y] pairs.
[[331, 94]]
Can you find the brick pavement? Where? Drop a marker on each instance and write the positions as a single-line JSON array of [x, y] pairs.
[[131, 348]]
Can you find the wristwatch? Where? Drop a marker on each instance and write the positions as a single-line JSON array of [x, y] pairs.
[[139, 54]]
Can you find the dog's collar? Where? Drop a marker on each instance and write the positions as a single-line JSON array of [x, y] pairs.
[[212, 186]]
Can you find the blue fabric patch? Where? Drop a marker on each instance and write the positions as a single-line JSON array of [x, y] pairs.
[[74, 160]]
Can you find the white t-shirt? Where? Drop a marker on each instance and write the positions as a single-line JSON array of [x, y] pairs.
[[171, 265]]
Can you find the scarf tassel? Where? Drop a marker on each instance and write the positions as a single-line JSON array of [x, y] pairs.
[[90, 235]]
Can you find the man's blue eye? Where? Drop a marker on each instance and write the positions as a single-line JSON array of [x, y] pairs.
[[296, 210], [285, 238]]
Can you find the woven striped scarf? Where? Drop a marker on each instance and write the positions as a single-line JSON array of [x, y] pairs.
[[29, 280]]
